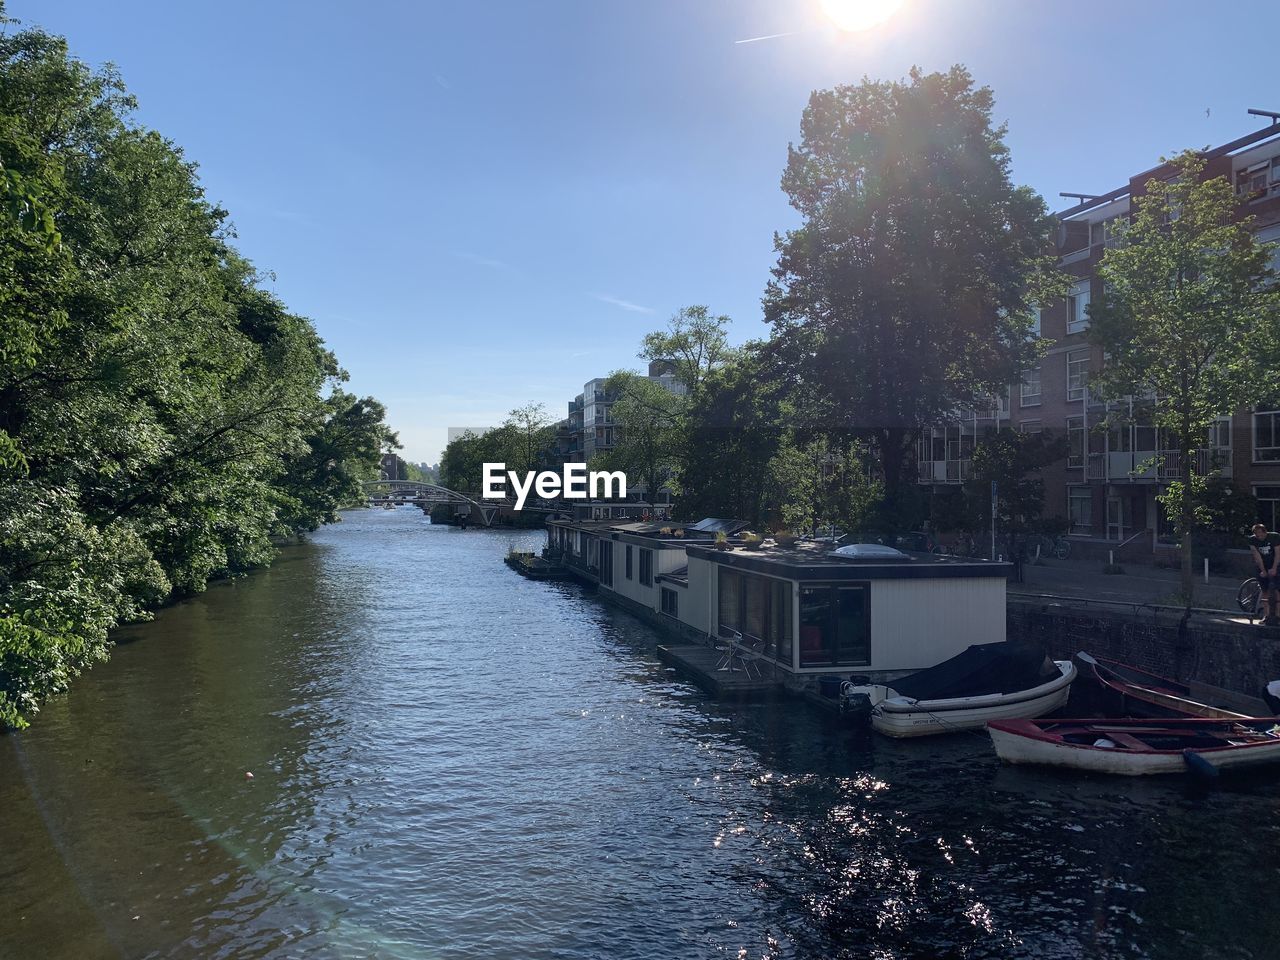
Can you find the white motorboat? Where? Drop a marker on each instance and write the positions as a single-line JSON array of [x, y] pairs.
[[993, 681]]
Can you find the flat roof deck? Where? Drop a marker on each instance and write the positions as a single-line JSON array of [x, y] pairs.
[[817, 561]]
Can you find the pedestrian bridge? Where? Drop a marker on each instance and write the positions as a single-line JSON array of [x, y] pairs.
[[422, 493]]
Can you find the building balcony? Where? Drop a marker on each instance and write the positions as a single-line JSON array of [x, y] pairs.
[[944, 471], [1136, 467]]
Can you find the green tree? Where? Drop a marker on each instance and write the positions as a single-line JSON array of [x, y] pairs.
[[647, 417], [695, 341], [907, 291], [1014, 462], [734, 427], [530, 426], [162, 418], [819, 482], [1189, 316]]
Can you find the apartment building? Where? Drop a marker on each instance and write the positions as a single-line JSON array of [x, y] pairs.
[[1106, 488]]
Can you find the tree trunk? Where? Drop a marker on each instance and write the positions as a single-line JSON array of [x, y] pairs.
[[1186, 519], [893, 450]]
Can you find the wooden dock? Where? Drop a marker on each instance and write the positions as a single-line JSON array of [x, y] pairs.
[[699, 662]]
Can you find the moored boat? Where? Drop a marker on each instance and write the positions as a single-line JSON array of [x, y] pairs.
[[1139, 747], [534, 567], [987, 682], [1131, 692]]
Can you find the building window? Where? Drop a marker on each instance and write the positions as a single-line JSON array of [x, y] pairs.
[[1077, 374], [1078, 307], [835, 626], [1075, 441], [670, 602], [1031, 388], [1080, 510], [1031, 426], [646, 567], [1036, 318], [628, 562], [1266, 436], [1268, 506]]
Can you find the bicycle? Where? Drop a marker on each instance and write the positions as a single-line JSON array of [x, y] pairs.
[[1057, 547], [1249, 597]]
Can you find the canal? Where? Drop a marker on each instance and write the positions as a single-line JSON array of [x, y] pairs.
[[451, 761]]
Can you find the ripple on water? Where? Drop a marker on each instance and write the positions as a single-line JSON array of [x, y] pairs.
[[451, 761]]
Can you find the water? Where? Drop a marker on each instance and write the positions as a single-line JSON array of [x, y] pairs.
[[451, 761]]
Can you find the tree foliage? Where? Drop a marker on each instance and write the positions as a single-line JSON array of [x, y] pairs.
[[695, 341], [162, 418], [1191, 317], [648, 417], [908, 290]]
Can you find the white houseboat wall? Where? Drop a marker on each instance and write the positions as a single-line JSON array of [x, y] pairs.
[[805, 609]]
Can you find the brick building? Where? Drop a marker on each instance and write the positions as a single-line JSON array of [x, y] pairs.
[[1099, 489]]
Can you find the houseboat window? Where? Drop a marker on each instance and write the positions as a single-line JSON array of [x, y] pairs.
[[758, 607], [780, 609], [670, 602], [730, 586], [606, 562], [756, 591], [629, 577], [646, 567], [835, 626]]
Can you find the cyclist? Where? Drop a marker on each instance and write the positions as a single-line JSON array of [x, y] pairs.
[[1263, 545]]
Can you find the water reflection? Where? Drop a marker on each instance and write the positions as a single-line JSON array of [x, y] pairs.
[[451, 761]]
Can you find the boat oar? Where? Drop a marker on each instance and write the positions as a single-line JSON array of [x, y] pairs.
[[1198, 766]]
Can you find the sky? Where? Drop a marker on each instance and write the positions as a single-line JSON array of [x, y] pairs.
[[484, 204]]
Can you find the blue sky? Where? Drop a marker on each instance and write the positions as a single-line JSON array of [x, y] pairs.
[[483, 204]]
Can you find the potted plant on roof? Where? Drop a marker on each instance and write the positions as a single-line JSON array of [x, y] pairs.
[[752, 541], [722, 541], [785, 538]]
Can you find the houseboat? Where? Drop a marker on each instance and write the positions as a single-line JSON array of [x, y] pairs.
[[804, 610]]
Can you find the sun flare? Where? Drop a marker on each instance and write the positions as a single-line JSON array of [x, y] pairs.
[[857, 15]]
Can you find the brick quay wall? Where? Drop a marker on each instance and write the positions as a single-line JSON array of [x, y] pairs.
[[1220, 655]]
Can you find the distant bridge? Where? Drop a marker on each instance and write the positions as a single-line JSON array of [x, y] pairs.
[[419, 492]]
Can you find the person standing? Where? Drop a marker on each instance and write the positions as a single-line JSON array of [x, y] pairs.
[[1263, 546]]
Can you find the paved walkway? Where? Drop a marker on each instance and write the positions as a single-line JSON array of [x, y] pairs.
[[1138, 584]]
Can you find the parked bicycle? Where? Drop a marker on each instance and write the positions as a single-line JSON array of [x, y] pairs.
[[1249, 597], [1057, 547]]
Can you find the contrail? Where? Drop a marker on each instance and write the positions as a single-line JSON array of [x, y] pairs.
[[772, 36]]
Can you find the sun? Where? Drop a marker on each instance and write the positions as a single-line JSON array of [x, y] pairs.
[[857, 15]]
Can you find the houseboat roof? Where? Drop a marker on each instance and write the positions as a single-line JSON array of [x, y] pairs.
[[820, 561]]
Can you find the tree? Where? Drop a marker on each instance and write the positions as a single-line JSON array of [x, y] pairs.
[[531, 427], [1190, 315], [462, 464], [694, 340], [1013, 462], [907, 292], [647, 416], [162, 417], [820, 481], [733, 428]]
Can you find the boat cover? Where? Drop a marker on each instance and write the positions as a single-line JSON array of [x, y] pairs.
[[983, 669]]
